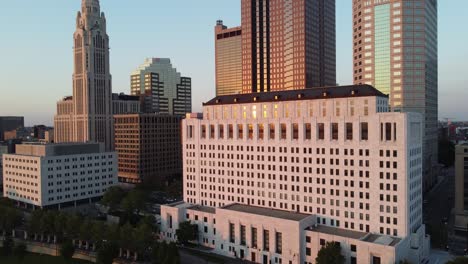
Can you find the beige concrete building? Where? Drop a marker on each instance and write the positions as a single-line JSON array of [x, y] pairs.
[[149, 147], [228, 48], [461, 187], [333, 153], [56, 175], [395, 50]]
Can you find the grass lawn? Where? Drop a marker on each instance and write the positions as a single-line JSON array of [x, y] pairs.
[[38, 259]]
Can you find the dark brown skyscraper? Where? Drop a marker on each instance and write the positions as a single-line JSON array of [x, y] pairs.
[[288, 44]]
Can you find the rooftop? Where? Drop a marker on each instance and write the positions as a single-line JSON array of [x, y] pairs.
[[338, 232], [266, 212], [125, 97], [204, 209], [62, 149], [382, 240], [295, 95]]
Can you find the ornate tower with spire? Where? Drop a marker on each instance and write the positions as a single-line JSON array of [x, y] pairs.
[[87, 116]]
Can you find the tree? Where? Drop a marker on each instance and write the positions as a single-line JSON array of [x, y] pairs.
[[172, 256], [67, 250], [20, 252], [113, 197], [134, 201], [8, 245], [186, 232], [107, 253], [330, 254], [459, 260], [404, 262]]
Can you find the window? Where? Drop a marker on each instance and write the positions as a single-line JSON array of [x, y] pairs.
[[203, 131], [243, 236], [308, 131], [250, 131], [321, 131], [334, 131], [221, 131], [322, 242], [254, 237], [231, 132], [353, 248], [240, 131], [272, 131], [376, 260], [295, 133], [308, 252], [283, 131], [364, 131], [232, 233], [349, 131], [266, 240], [388, 131], [279, 242], [261, 131]]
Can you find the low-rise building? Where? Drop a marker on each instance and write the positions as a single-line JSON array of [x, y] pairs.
[[56, 175]]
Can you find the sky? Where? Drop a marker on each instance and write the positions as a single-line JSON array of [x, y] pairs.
[[36, 49]]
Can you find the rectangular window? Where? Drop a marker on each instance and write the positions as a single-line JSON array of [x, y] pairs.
[[212, 131], [261, 131], [364, 131], [349, 131], [388, 131], [272, 131], [321, 131], [232, 233], [254, 237], [283, 131], [334, 131], [243, 235], [250, 131], [203, 131], [308, 131], [231, 131], [279, 242], [295, 133], [221, 131], [266, 240], [240, 131]]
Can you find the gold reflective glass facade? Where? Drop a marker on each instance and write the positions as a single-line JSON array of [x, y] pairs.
[[228, 46]]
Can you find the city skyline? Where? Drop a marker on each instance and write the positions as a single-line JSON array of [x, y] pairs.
[[130, 46]]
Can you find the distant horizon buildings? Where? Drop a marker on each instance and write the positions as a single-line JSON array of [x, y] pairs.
[[10, 123], [228, 59], [162, 88], [395, 50]]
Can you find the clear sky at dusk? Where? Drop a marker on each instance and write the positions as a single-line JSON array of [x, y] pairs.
[[36, 48]]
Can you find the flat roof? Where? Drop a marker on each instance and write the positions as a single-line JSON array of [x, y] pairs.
[[266, 212], [338, 231], [204, 209], [382, 240], [363, 90]]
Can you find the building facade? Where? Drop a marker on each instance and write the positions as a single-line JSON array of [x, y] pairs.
[[10, 123], [461, 187], [334, 153], [165, 91], [148, 147], [228, 48], [87, 115], [288, 44], [56, 175], [125, 104], [395, 50]]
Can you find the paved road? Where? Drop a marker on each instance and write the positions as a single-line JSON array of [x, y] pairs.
[[437, 210]]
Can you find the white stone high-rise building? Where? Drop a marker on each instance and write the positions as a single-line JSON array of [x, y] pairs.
[[272, 176], [87, 116]]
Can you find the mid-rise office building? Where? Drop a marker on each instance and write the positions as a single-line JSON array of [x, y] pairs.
[[149, 147], [395, 50], [56, 175], [288, 44], [10, 123], [461, 187], [228, 48], [164, 90], [125, 104], [272, 176]]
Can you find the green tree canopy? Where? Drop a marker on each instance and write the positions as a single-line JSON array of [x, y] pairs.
[[107, 253], [459, 260], [20, 252], [113, 197], [67, 250], [330, 254], [186, 232]]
